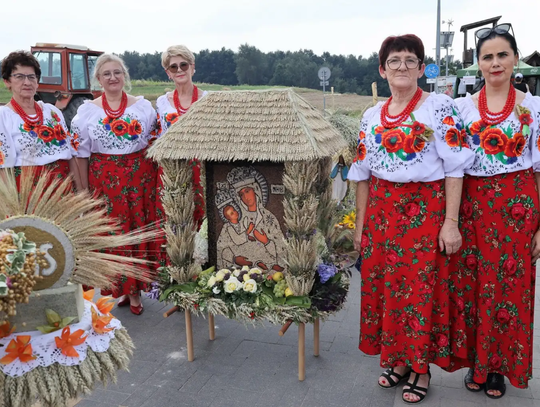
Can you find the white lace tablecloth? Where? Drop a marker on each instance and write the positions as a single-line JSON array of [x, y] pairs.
[[44, 345]]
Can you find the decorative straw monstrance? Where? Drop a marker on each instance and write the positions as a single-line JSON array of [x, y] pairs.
[[57, 344], [267, 164]]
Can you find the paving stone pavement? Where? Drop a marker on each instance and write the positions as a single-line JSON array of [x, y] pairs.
[[255, 367]]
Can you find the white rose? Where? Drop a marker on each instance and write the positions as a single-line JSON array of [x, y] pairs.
[[255, 270], [245, 268], [236, 273], [211, 281], [250, 286], [220, 275], [216, 290], [232, 285], [246, 277]]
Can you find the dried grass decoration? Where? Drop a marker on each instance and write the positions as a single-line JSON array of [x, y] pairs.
[[44, 211]]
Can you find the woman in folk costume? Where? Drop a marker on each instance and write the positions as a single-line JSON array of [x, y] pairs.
[[495, 271], [179, 64], [33, 133], [409, 166], [113, 132]]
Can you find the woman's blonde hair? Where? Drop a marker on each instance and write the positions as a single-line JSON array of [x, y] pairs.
[[102, 60], [176, 51]]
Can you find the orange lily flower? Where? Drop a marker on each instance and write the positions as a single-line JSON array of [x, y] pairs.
[[105, 305], [99, 323], [18, 348], [6, 329], [67, 341], [88, 295]]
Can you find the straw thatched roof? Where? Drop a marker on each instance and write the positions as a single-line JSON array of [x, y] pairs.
[[270, 125]]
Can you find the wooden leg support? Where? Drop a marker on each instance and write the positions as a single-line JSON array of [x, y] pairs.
[[301, 351], [170, 312], [316, 337], [211, 327], [284, 328], [189, 336]]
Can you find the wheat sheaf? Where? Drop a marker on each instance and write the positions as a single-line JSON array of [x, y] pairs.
[[82, 219]]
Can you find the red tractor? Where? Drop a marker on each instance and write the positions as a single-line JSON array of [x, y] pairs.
[[66, 72]]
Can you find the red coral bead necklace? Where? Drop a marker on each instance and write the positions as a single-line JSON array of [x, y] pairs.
[[389, 121], [29, 121], [181, 110], [490, 117], [114, 114]]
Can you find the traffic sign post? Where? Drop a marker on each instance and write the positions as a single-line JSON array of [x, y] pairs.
[[431, 72], [324, 74]]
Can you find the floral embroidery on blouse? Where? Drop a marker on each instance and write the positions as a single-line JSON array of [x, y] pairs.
[[501, 143], [75, 141], [170, 118], [51, 133], [126, 127], [2, 157]]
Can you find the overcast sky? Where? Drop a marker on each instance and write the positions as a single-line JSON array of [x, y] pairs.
[[338, 26]]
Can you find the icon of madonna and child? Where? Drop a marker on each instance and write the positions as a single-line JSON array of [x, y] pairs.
[[251, 235]]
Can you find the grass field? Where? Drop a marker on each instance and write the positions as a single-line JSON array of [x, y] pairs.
[[348, 103]]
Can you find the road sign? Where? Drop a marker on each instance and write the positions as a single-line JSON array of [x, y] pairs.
[[432, 71], [325, 83], [324, 73], [431, 80]]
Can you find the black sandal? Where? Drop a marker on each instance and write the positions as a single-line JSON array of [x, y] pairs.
[[469, 380], [495, 381], [388, 373], [415, 389]]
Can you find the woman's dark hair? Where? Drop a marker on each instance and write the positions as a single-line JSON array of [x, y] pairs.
[[20, 58], [507, 36], [407, 42]]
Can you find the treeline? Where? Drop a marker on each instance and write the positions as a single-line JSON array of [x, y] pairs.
[[250, 66]]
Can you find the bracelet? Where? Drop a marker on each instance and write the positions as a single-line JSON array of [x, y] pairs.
[[455, 220]]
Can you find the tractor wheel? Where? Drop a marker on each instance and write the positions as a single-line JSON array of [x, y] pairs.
[[71, 110]]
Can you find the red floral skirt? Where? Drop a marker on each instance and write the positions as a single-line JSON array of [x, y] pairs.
[[198, 199], [59, 169], [405, 298], [128, 184], [494, 278]]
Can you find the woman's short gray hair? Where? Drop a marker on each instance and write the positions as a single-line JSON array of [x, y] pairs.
[[176, 51], [102, 60]]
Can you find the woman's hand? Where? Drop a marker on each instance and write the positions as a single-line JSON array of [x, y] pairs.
[[449, 237], [357, 240], [535, 247]]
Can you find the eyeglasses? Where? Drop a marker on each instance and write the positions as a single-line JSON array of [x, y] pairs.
[[410, 63], [109, 75], [184, 66], [20, 77], [498, 29]]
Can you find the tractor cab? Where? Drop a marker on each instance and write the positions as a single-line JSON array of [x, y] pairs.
[[66, 72]]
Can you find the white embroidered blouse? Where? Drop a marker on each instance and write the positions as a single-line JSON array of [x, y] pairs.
[[167, 113], [21, 145], [510, 146], [132, 132], [403, 154]]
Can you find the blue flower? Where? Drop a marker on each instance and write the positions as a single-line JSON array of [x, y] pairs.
[[33, 133], [511, 160], [476, 139], [378, 138], [326, 272], [107, 127], [410, 156]]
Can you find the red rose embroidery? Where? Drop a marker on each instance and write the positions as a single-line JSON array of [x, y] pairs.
[[467, 209], [442, 340], [453, 137], [365, 240], [493, 141], [518, 211], [503, 316], [413, 144], [417, 128], [460, 304], [471, 261], [525, 119], [412, 209], [392, 257], [495, 362], [510, 266], [134, 128], [414, 324]]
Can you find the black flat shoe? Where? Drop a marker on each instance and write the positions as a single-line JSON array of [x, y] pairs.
[[469, 380], [415, 389], [390, 374], [495, 381]]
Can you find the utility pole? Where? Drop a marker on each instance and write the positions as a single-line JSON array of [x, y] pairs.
[[438, 43]]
